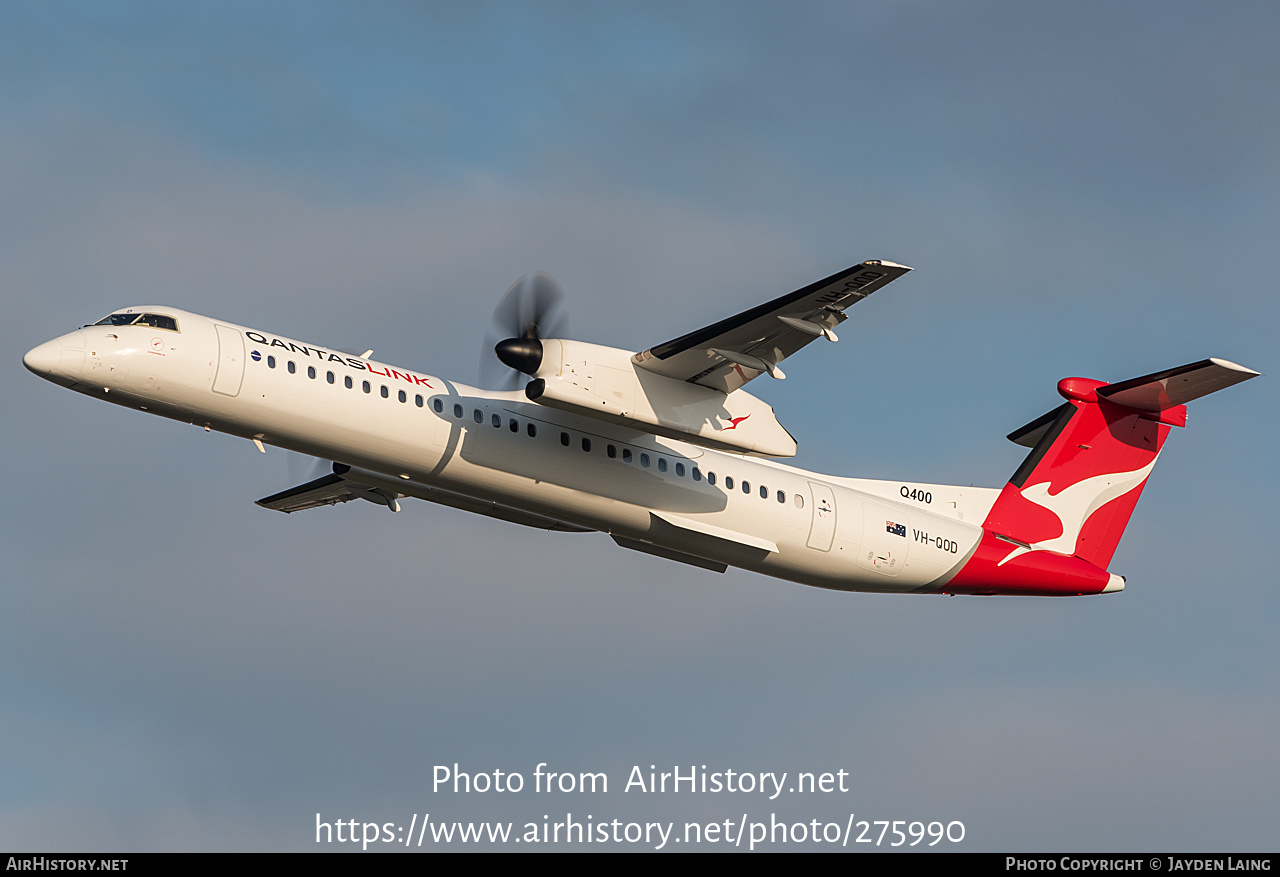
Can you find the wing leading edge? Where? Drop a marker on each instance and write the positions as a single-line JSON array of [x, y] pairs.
[[728, 354]]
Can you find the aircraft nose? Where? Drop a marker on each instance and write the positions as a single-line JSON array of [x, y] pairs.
[[59, 360], [43, 359]]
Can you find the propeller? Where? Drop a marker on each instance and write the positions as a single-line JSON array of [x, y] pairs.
[[303, 468], [532, 309]]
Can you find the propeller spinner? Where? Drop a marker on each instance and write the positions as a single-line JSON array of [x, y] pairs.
[[533, 308]]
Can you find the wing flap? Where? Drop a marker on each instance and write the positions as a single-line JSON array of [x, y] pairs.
[[669, 554], [713, 534], [326, 490]]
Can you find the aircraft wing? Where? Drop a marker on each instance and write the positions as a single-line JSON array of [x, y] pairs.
[[327, 490], [727, 354]]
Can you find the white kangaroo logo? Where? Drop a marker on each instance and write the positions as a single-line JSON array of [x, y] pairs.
[[1073, 505]]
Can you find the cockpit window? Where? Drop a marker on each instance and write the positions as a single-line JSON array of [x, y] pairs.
[[155, 321], [158, 321]]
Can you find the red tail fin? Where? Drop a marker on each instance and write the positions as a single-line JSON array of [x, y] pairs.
[[1077, 488], [1075, 491]]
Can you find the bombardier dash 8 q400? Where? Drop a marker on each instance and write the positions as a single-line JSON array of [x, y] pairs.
[[662, 449]]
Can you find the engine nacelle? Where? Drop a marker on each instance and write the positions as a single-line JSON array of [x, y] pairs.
[[602, 382]]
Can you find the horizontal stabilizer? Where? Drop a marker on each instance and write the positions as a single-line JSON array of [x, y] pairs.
[[1176, 386], [1090, 459], [1159, 392]]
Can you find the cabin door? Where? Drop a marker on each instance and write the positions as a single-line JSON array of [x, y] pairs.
[[823, 528], [230, 372]]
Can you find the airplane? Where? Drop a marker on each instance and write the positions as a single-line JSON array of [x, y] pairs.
[[661, 449]]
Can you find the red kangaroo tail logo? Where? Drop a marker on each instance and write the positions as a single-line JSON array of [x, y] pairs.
[[1077, 488], [1056, 524], [735, 421]]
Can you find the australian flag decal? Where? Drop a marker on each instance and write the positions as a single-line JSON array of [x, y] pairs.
[[896, 529]]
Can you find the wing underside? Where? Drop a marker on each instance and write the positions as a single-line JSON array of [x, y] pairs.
[[728, 354], [326, 490], [346, 483]]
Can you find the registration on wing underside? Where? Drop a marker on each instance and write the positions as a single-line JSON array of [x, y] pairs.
[[728, 354]]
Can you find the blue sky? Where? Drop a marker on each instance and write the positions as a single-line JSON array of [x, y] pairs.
[[1083, 189]]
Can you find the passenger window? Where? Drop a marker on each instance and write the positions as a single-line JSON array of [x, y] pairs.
[[438, 405], [417, 400], [514, 424], [271, 362], [292, 368], [764, 492], [497, 421], [799, 501], [610, 451], [697, 474], [532, 429], [728, 482], [564, 439], [679, 470], [347, 382], [311, 372], [746, 487], [383, 391], [711, 478], [403, 396], [457, 410], [586, 443], [782, 496], [644, 460], [626, 455], [364, 385], [662, 464], [328, 376], [477, 415]]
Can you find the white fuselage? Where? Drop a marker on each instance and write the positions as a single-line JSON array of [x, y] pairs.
[[503, 454]]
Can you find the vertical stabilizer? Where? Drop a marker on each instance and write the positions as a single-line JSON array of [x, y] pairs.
[[1074, 493], [1077, 488]]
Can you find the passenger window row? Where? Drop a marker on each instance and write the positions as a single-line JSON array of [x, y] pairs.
[[495, 420], [611, 450], [348, 382], [628, 456]]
